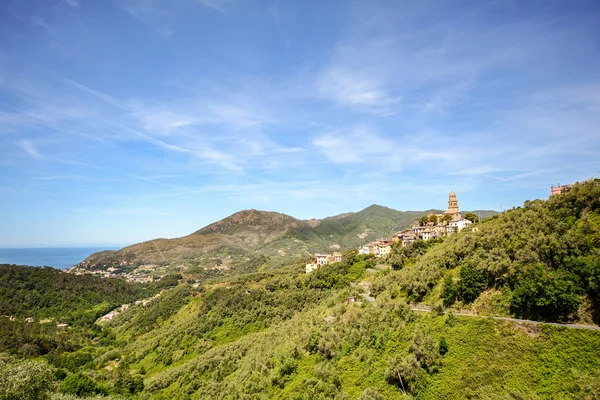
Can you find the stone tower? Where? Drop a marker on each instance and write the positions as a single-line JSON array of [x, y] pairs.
[[452, 204]]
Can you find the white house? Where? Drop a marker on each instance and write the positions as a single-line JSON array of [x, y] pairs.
[[311, 267], [321, 259], [364, 249], [457, 226]]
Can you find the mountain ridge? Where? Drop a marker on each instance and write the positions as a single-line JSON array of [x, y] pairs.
[[251, 231]]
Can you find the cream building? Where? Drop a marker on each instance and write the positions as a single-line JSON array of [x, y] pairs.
[[431, 230], [323, 259]]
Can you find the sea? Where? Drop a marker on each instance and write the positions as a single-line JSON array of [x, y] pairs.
[[56, 257]]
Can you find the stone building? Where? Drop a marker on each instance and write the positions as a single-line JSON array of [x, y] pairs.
[[444, 224], [452, 205], [323, 259]]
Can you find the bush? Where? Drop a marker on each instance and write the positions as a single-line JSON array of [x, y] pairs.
[[443, 346], [371, 393], [546, 295], [28, 380], [81, 385]]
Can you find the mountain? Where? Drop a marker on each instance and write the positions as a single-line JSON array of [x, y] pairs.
[[253, 231]]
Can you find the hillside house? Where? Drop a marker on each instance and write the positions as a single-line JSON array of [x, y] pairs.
[[323, 259], [311, 267], [406, 237], [554, 190], [335, 257], [379, 248], [457, 226]]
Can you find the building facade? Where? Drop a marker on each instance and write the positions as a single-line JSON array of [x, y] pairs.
[[323, 259], [444, 224]]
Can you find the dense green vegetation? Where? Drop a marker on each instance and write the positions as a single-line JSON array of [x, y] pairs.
[[34, 300], [540, 261], [44, 292], [348, 330]]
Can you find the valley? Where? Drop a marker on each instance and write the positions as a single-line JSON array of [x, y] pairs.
[[507, 310]]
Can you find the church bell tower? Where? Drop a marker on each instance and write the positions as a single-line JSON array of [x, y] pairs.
[[452, 204]]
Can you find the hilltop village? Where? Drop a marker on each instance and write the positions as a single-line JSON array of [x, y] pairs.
[[427, 227]]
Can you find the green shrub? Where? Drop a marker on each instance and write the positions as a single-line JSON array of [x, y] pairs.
[[81, 385]]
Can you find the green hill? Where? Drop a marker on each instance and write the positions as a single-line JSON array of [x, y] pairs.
[[251, 232], [539, 261], [50, 293]]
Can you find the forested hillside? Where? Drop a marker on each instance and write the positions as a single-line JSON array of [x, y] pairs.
[[539, 261], [50, 293], [288, 335]]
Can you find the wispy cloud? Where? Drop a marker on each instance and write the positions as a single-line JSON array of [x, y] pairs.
[[137, 211], [354, 89], [359, 145], [218, 5], [159, 14], [41, 23], [29, 147], [72, 3]]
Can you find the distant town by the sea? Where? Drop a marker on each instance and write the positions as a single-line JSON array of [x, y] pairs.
[[56, 257]]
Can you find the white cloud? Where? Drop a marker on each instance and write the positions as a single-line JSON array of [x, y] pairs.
[[166, 31], [218, 5], [29, 148], [352, 89], [164, 122], [360, 145], [72, 3]]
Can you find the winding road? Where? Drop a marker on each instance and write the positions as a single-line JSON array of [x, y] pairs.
[[367, 296]]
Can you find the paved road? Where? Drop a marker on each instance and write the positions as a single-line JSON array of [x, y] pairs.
[[520, 321], [367, 296]]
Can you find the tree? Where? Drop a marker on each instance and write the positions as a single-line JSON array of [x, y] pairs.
[[544, 294], [446, 218], [472, 282], [80, 385], [472, 217], [433, 219], [449, 290], [423, 220], [27, 380], [404, 371], [425, 350], [443, 346], [371, 393]]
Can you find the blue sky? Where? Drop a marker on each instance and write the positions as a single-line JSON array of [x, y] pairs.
[[127, 120]]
